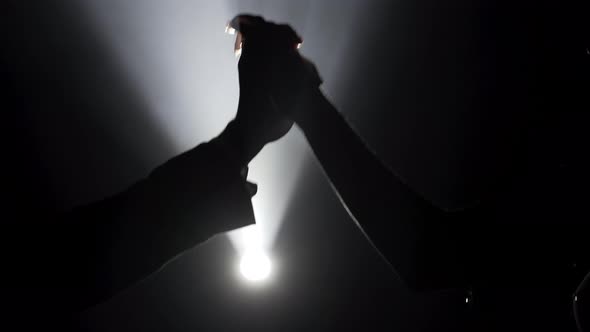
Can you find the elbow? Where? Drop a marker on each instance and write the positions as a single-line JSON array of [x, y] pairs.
[[419, 283], [412, 272], [416, 284], [429, 270]]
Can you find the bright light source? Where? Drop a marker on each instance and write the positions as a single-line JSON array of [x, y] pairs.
[[255, 265]]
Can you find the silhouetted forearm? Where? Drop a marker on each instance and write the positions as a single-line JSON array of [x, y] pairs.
[[402, 225], [99, 249]]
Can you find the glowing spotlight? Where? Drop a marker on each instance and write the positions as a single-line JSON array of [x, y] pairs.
[[255, 265]]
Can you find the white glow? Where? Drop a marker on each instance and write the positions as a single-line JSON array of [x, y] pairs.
[[255, 265], [230, 30]]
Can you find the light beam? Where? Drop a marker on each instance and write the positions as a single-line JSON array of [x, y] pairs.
[[178, 55]]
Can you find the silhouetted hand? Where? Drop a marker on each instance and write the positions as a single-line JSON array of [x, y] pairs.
[[258, 121], [257, 114], [271, 68], [258, 118]]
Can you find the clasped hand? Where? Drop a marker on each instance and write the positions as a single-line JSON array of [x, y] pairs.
[[274, 78]]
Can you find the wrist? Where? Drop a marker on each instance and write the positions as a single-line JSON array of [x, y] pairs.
[[313, 110], [238, 144]]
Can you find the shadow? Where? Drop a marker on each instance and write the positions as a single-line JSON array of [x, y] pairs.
[[80, 130]]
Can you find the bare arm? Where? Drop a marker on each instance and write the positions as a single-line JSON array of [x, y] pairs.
[[417, 238], [90, 254], [93, 252]]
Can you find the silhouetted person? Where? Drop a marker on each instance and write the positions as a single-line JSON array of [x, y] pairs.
[[66, 263], [517, 249]]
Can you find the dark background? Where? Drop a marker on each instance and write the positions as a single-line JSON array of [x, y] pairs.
[[479, 88]]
